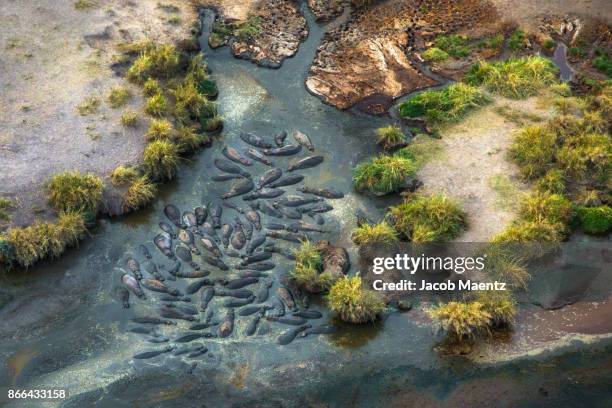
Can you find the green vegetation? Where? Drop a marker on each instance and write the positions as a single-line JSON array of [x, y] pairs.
[[161, 159], [455, 45], [549, 44], [374, 233], [435, 54], [213, 124], [160, 129], [89, 106], [352, 303], [517, 116], [155, 61], [123, 175], [248, 30], [73, 191], [85, 4], [518, 40], [174, 19], [188, 140], [156, 105], [553, 181], [26, 246], [561, 89], [429, 219], [189, 103], [500, 305], [383, 174], [140, 193], [507, 191], [595, 220], [421, 150], [151, 87], [506, 263], [445, 105], [390, 136], [129, 118], [5, 206], [603, 62], [515, 77], [494, 43], [119, 96], [462, 320], [307, 272], [533, 150]]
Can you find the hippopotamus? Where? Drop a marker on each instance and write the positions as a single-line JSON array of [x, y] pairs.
[[259, 256], [287, 150], [134, 266], [321, 192], [215, 210], [235, 156], [335, 259], [269, 177], [211, 246], [241, 283], [263, 291], [286, 296], [280, 137], [305, 163], [187, 238], [201, 213], [239, 302], [173, 214], [308, 314], [252, 326], [288, 180], [163, 242], [258, 156], [227, 325], [144, 251], [290, 335], [132, 285], [255, 140], [152, 320], [254, 218], [230, 167], [226, 234], [167, 228], [296, 200], [157, 286], [254, 243], [207, 295], [304, 140], [267, 208], [153, 353], [237, 293], [240, 187]]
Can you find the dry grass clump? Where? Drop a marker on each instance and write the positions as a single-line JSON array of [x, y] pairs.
[[462, 320], [374, 233], [352, 302], [155, 61], [119, 96], [123, 175], [89, 106], [188, 140], [139, 194], [307, 271], [161, 160], [129, 118], [151, 87], [156, 105], [5, 206], [160, 129], [73, 191], [429, 218]]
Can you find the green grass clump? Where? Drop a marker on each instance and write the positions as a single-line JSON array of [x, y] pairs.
[[390, 136], [155, 60], [307, 271], [546, 207], [507, 264], [89, 106], [156, 105], [533, 149], [129, 118], [552, 182], [248, 30], [213, 124], [85, 4], [383, 174], [160, 129], [5, 206], [603, 63], [529, 231], [119, 96], [515, 78], [161, 159], [587, 156], [151, 87], [561, 89], [140, 193], [549, 44], [73, 191], [429, 219], [595, 220], [352, 303], [500, 305], [517, 40], [435, 54], [462, 320], [123, 175], [197, 72], [455, 45], [40, 240], [188, 140], [374, 233], [189, 102], [494, 43], [445, 105]]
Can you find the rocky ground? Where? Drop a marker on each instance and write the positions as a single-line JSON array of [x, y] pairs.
[[372, 55], [327, 10], [55, 56]]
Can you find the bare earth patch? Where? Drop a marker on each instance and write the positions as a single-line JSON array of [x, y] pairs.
[[53, 58], [471, 163]]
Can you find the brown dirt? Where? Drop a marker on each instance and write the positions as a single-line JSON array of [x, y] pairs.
[[53, 58], [327, 10]]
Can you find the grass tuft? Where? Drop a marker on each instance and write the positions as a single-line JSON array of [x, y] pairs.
[[155, 60], [307, 271], [454, 45], [119, 96], [435, 54], [5, 206], [374, 233], [151, 87], [461, 320], [73, 191], [89, 106], [353, 303], [390, 136], [160, 129], [140, 193], [156, 105], [161, 160], [129, 118], [595, 220], [383, 174], [123, 175]]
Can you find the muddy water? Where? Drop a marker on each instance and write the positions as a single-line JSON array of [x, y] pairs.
[[60, 326]]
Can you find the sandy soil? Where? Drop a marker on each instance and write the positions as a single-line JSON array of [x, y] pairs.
[[473, 155], [53, 58]]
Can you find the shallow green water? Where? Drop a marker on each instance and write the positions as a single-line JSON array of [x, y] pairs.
[[64, 329]]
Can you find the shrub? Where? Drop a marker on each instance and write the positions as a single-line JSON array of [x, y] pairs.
[[73, 191], [429, 218], [390, 136], [129, 118], [160, 129], [435, 54], [462, 320], [151, 87], [514, 78], [455, 45], [552, 182], [161, 159], [89, 106], [499, 305], [140, 193], [445, 105], [352, 303], [118, 96], [383, 174], [533, 149], [123, 175], [595, 220], [156, 105], [307, 271], [374, 233]]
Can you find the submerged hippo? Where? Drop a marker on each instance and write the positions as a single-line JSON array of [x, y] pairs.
[[335, 259], [227, 325], [305, 163], [304, 140]]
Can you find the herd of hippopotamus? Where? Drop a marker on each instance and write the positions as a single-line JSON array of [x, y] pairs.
[[237, 241]]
